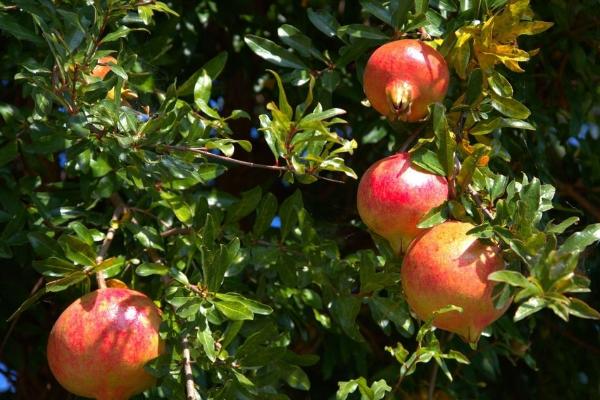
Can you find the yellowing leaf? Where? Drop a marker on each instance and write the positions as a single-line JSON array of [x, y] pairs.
[[461, 53], [495, 40]]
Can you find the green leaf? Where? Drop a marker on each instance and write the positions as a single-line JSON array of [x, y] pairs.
[[202, 88], [83, 233], [399, 10], [561, 227], [296, 377], [580, 309], [245, 205], [207, 341], [421, 6], [362, 32], [147, 269], [288, 212], [377, 10], [179, 276], [323, 21], [77, 250], [8, 152], [226, 255], [11, 25], [61, 284], [578, 241], [517, 123], [510, 107], [376, 391], [294, 38], [445, 142], [121, 32], [264, 214], [54, 267], [486, 126], [252, 305], [428, 160], [435, 216], [212, 68], [500, 85], [147, 236], [319, 116], [531, 306], [183, 211], [458, 357], [42, 245], [112, 264], [234, 310], [273, 53], [513, 278], [474, 86], [27, 303], [345, 310], [393, 310], [399, 352], [284, 105]]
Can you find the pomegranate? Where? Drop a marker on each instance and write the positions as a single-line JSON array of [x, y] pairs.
[[393, 196], [402, 78], [100, 343], [446, 266]]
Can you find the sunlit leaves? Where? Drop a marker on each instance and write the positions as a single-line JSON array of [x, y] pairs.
[[304, 139], [495, 39]]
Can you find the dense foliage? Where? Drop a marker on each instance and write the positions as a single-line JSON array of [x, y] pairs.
[[214, 168]]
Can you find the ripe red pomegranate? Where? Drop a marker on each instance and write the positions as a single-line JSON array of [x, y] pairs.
[[446, 266], [403, 77], [100, 343], [393, 196]]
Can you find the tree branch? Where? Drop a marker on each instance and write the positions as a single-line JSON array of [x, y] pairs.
[[110, 235], [190, 388]]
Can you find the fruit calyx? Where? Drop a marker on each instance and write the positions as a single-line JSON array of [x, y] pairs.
[[399, 97]]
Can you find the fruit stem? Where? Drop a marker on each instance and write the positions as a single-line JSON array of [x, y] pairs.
[[410, 139]]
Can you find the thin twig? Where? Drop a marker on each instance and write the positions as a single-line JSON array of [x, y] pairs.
[[190, 388], [569, 191], [432, 380], [110, 235], [479, 202], [400, 380], [207, 153], [176, 231], [36, 287]]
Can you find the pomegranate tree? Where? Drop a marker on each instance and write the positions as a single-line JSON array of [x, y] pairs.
[[99, 345], [402, 78]]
